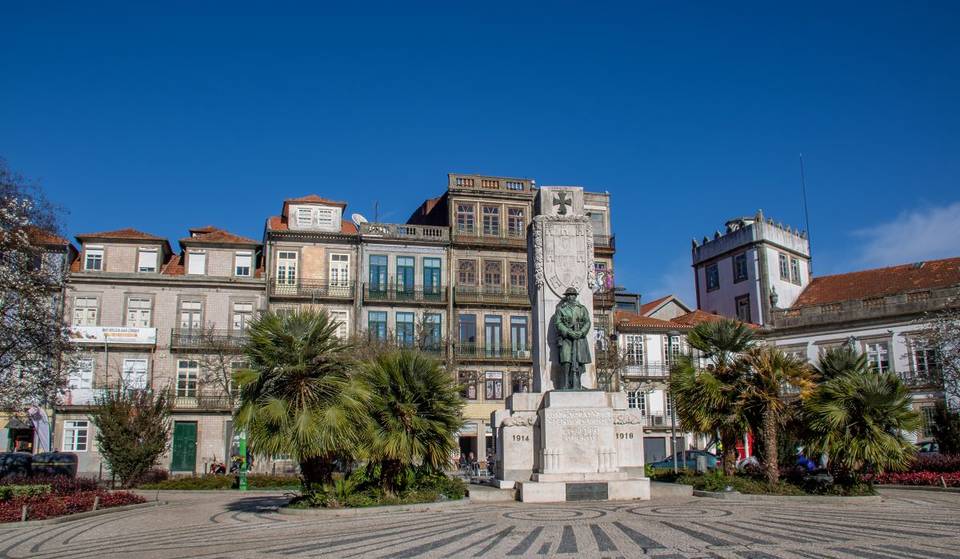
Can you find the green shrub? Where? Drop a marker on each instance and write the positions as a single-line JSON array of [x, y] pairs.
[[215, 482], [8, 492]]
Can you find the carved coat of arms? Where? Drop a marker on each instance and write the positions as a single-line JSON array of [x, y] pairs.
[[565, 258]]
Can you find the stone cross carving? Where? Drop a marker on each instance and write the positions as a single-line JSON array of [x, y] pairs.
[[561, 200]]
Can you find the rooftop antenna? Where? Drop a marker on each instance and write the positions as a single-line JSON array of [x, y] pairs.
[[376, 211], [806, 211]]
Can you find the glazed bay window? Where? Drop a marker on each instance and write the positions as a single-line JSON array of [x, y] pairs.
[[242, 264], [634, 349], [85, 311], [466, 218], [405, 329], [516, 223], [713, 277], [377, 325], [138, 312], [468, 384], [491, 221], [93, 259], [196, 263], [467, 272], [784, 266], [740, 267], [493, 385], [76, 434], [431, 277], [134, 374], [187, 373], [147, 260], [878, 355]]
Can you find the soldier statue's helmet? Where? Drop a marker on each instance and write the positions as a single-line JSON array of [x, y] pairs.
[[571, 291]]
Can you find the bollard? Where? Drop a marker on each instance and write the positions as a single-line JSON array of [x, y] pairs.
[[23, 514], [96, 502], [943, 482]]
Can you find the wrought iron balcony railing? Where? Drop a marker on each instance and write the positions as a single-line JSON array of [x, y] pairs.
[[488, 294], [647, 370], [515, 237], [414, 293], [210, 339], [477, 351], [915, 380], [309, 288], [205, 402]]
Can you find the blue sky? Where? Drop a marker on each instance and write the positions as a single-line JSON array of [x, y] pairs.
[[687, 113]]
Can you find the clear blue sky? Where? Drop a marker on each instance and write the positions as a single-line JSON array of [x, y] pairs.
[[689, 115]]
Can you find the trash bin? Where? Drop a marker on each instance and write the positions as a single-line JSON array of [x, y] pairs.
[[15, 463], [55, 464]]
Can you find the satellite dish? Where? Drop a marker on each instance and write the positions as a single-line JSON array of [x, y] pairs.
[[358, 219]]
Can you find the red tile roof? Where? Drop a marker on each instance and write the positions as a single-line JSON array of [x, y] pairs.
[[39, 236], [122, 234], [881, 282], [279, 223], [695, 317], [648, 308], [173, 267], [312, 199], [214, 235], [634, 320]]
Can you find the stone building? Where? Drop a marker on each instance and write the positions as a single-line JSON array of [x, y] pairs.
[[144, 316]]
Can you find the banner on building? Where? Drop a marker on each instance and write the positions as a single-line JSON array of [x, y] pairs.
[[113, 335]]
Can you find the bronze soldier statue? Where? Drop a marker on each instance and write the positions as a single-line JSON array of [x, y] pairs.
[[572, 321]]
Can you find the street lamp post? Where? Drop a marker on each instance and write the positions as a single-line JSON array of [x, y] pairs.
[[242, 485]]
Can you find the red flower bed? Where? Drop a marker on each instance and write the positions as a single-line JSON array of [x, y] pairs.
[[952, 479], [52, 505], [936, 463]]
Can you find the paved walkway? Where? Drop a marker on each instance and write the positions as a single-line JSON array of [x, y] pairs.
[[912, 524]]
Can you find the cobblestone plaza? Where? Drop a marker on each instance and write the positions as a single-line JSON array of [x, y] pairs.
[[910, 524]]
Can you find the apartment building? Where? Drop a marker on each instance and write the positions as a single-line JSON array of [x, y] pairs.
[[145, 316]]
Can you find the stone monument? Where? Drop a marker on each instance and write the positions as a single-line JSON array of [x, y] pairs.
[[566, 440]]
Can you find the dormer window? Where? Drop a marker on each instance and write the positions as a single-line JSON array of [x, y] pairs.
[[94, 259], [322, 218], [147, 260], [304, 218], [197, 263]]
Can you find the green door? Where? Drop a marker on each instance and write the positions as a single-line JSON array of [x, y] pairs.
[[184, 447]]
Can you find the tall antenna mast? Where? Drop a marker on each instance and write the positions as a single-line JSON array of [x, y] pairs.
[[806, 211]]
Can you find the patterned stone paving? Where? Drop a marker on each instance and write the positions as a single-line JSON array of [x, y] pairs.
[[908, 524]]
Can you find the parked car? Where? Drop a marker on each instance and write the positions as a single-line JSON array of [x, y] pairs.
[[927, 448], [687, 460]]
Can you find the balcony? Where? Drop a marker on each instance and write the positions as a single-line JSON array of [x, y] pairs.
[[404, 232], [207, 339], [476, 236], [647, 370], [205, 402], [608, 242], [82, 396], [917, 380], [603, 300], [392, 293], [470, 351], [660, 422], [311, 289], [491, 295]]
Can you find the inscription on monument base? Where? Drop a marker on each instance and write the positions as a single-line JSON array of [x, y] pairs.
[[587, 492]]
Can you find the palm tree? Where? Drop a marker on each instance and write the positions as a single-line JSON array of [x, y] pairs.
[[841, 360], [774, 381], [860, 418], [709, 399], [297, 397], [415, 409]]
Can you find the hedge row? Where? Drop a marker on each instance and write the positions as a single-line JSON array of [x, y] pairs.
[[951, 479], [52, 505]]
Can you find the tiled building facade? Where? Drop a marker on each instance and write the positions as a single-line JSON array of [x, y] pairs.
[[452, 281]]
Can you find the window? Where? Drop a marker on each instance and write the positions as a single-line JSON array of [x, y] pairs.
[[242, 264], [516, 224], [634, 349], [518, 276], [492, 273], [377, 325], [187, 372], [134, 374], [431, 277], [286, 267], [75, 436], [519, 382], [466, 219], [81, 377], [138, 312], [878, 355], [339, 270], [671, 348], [326, 219], [467, 272], [795, 271], [405, 332], [740, 267], [197, 263], [85, 311], [926, 361], [468, 332], [637, 400], [514, 185], [342, 319], [599, 223], [784, 267], [518, 336], [492, 335], [191, 315], [378, 272], [742, 304], [713, 277], [493, 385], [468, 383], [928, 419], [304, 218], [432, 331], [405, 274], [242, 315], [94, 259], [147, 260], [491, 221]]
